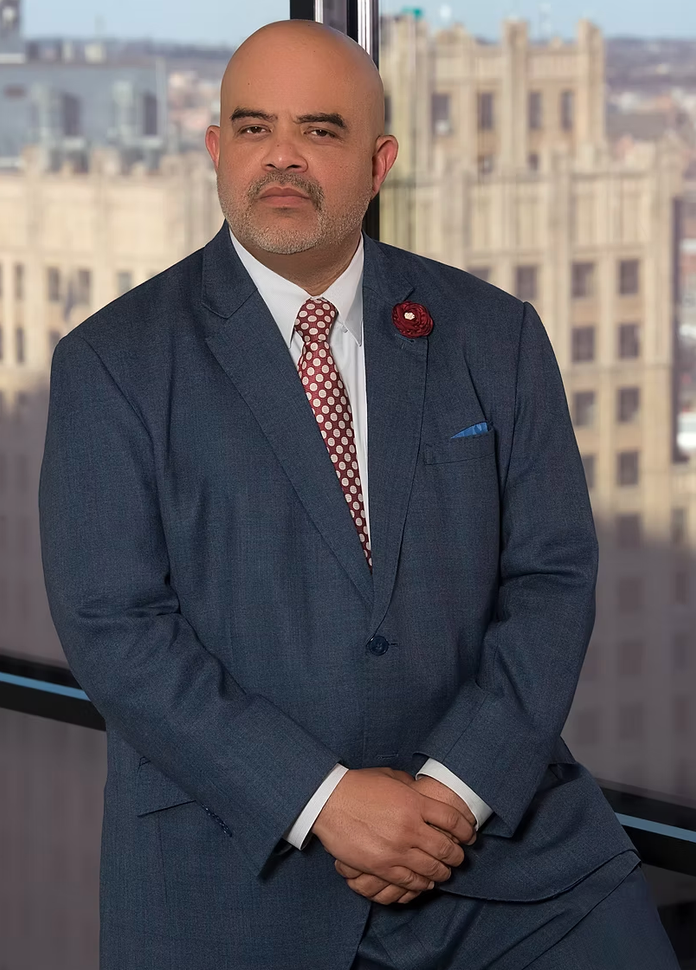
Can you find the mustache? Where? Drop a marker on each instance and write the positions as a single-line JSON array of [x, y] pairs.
[[314, 191]]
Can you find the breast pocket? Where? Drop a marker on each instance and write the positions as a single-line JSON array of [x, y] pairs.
[[460, 449]]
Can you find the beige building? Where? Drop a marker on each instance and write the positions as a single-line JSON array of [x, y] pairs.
[[505, 170], [70, 243]]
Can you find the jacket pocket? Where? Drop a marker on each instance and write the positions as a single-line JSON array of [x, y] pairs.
[[459, 449], [155, 791]]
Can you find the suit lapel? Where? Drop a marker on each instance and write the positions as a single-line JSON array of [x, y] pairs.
[[395, 370], [249, 347]]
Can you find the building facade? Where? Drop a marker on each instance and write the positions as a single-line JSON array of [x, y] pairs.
[[505, 170]]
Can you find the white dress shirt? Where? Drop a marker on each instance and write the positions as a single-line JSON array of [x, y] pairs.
[[284, 299]]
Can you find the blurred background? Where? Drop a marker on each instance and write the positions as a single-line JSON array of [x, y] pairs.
[[548, 148]]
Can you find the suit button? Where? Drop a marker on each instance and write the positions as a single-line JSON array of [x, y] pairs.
[[378, 645]]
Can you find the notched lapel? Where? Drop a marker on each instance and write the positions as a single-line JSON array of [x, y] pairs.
[[395, 372], [250, 349]]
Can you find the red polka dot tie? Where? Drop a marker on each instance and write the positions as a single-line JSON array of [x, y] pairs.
[[327, 395]]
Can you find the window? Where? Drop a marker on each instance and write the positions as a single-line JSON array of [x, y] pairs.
[[22, 469], [387, 112], [71, 116], [19, 281], [124, 282], [588, 463], [83, 286], [681, 652], [21, 405], [482, 272], [19, 345], [584, 409], [149, 114], [678, 527], [629, 594], [631, 722], [628, 531], [526, 282], [567, 110], [486, 119], [486, 164], [630, 657], [24, 535], [681, 715], [53, 284], [440, 114], [583, 276], [535, 110], [627, 468], [53, 338], [583, 344], [629, 277], [629, 341], [587, 726], [627, 404], [681, 587], [533, 162]]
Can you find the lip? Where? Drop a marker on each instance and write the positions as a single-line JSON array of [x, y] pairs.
[[283, 193]]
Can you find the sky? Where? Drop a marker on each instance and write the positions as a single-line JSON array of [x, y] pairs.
[[229, 21]]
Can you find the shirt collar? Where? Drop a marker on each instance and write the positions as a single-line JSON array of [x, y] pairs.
[[284, 298]]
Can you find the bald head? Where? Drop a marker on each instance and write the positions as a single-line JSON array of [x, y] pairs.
[[327, 59], [300, 149]]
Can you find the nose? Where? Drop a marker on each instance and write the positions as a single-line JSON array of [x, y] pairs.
[[284, 153]]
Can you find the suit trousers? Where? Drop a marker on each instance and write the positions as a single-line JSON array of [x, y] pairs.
[[608, 921]]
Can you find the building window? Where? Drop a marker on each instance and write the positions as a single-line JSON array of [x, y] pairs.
[[583, 277], [629, 594], [149, 114], [583, 344], [19, 345], [19, 281], [21, 407], [440, 114], [584, 409], [681, 587], [628, 531], [23, 535], [387, 112], [567, 110], [678, 527], [588, 463], [587, 726], [627, 468], [535, 110], [631, 722], [71, 116], [481, 272], [681, 715], [486, 119], [53, 284], [629, 277], [630, 657], [83, 287], [486, 164], [53, 338], [533, 162], [124, 282], [629, 341], [526, 282], [681, 652], [627, 404]]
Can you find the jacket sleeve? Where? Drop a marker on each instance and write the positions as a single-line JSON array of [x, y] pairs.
[[131, 649], [503, 729]]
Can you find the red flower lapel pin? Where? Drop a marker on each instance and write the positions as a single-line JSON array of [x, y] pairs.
[[412, 319]]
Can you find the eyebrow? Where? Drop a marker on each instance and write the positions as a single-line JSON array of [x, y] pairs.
[[330, 118]]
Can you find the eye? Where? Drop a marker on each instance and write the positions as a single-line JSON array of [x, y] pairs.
[[252, 128], [323, 131]]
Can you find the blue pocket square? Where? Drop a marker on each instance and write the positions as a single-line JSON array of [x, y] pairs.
[[474, 429]]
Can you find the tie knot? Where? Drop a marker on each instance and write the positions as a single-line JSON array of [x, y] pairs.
[[315, 318]]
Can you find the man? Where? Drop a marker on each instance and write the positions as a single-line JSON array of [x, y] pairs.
[[318, 546]]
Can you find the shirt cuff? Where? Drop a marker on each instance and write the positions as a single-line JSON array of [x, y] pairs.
[[479, 809], [299, 832]]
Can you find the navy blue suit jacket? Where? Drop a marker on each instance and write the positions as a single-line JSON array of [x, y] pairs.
[[212, 598]]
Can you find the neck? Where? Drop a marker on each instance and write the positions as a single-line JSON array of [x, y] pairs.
[[313, 270]]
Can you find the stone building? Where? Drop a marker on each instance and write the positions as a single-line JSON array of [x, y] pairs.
[[505, 170]]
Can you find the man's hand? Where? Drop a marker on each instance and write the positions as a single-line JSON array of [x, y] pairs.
[[381, 823], [381, 891]]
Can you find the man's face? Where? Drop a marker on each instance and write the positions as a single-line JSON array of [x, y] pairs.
[[294, 151]]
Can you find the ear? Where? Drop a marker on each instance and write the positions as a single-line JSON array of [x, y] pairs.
[[212, 143], [386, 150]]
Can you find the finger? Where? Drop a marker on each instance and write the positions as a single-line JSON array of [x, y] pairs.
[[424, 864], [392, 894], [446, 817], [439, 846], [348, 872], [368, 885], [407, 897]]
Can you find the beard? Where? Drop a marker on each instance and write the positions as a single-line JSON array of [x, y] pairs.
[[328, 229]]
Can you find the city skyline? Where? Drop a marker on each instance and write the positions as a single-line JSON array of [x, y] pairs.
[[210, 21]]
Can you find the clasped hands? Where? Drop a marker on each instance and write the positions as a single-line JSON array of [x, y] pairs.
[[394, 836]]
